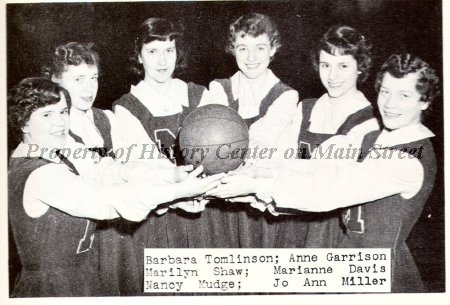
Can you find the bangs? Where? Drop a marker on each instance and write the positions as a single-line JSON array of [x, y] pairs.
[[336, 50], [163, 37]]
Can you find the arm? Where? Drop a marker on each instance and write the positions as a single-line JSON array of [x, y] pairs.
[[90, 164], [54, 185], [340, 185], [266, 131], [326, 186], [106, 170], [215, 95], [345, 147], [286, 142], [361, 130], [134, 142]]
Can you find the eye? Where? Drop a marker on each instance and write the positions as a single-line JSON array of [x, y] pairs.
[[405, 96], [323, 65], [261, 48], [151, 51], [344, 66], [78, 79], [241, 49], [384, 92], [95, 77], [171, 50], [46, 115]]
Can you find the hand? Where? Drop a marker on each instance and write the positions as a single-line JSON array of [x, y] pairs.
[[181, 172], [195, 205], [252, 171], [193, 186], [233, 186]]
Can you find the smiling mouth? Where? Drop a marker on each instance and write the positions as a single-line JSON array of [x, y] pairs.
[[391, 115], [87, 99], [59, 134], [252, 66], [161, 70], [334, 85]]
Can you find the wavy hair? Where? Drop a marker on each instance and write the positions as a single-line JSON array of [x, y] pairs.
[[27, 96], [345, 40], [400, 65], [70, 54], [253, 24]]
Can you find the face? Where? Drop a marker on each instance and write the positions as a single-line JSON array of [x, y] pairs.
[[399, 102], [338, 73], [159, 59], [253, 54], [82, 83], [48, 126]]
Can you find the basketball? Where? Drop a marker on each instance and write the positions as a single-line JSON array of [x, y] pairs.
[[214, 136]]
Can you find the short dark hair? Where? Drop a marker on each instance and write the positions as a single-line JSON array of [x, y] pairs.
[[31, 94], [254, 24], [400, 65], [345, 40], [158, 29], [70, 54]]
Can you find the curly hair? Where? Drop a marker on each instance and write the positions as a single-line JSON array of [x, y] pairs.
[[400, 65], [158, 29], [253, 24], [70, 54], [345, 40], [30, 94]]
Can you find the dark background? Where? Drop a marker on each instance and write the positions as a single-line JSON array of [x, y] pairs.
[[33, 31]]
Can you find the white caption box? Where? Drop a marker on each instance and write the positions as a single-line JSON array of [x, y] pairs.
[[266, 270]]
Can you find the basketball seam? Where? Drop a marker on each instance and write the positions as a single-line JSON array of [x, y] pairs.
[[224, 119], [216, 144]]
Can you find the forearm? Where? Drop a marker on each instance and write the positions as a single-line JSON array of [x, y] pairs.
[[334, 186], [55, 186]]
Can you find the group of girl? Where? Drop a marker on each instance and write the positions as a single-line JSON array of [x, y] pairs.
[[80, 225]]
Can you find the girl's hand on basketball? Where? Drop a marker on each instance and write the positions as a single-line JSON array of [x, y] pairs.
[[233, 186], [193, 186]]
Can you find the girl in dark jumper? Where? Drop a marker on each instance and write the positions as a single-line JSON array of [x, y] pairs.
[[51, 204]]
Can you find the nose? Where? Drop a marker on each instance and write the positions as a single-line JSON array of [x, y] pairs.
[[390, 101], [332, 73], [59, 120], [90, 85], [250, 55], [162, 59]]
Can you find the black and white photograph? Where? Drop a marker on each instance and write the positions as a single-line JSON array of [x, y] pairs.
[[224, 149]]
